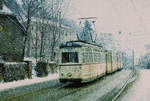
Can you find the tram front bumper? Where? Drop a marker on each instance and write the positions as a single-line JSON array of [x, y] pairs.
[[70, 75], [70, 80]]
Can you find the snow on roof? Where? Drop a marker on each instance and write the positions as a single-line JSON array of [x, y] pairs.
[[78, 43], [6, 10], [5, 13]]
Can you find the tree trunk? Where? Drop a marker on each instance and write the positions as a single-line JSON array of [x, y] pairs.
[[28, 34]]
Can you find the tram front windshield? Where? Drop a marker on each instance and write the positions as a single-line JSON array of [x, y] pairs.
[[69, 57]]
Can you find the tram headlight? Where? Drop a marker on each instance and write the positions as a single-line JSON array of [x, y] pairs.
[[69, 74]]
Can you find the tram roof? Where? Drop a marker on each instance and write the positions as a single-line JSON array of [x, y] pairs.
[[78, 43]]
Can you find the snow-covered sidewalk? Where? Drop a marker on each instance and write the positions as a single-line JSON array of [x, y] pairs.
[[34, 80], [140, 91]]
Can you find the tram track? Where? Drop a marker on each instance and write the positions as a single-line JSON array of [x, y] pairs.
[[132, 78], [63, 92], [89, 90]]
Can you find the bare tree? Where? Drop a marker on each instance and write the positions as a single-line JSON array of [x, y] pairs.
[[51, 14], [49, 20]]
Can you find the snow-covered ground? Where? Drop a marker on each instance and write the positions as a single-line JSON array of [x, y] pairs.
[[34, 80], [140, 91]]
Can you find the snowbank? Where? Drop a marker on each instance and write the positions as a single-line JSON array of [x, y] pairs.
[[4, 86]]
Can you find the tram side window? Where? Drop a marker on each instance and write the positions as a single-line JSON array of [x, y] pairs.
[[116, 58], [90, 58], [87, 57], [108, 58], [69, 57], [97, 57], [102, 58]]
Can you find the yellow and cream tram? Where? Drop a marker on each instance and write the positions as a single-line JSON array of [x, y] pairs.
[[81, 61]]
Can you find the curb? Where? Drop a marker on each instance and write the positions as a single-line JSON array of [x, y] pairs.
[[15, 92]]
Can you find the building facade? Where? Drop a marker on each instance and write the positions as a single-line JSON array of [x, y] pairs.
[[50, 34]]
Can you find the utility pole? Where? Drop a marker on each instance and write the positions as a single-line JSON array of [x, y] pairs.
[[133, 59]]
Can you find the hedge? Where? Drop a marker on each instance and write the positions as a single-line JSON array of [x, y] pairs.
[[41, 69], [12, 71], [44, 68]]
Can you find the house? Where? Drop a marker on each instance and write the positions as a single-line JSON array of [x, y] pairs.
[[11, 37]]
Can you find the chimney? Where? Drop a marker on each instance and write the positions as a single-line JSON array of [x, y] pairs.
[[1, 5]]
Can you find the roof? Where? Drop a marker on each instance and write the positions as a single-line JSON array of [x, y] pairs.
[[78, 43], [5, 13]]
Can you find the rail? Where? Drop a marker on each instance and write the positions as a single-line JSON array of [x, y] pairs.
[[130, 79]]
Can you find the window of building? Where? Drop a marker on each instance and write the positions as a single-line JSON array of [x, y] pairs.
[[68, 57]]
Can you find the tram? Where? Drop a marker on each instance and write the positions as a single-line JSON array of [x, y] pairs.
[[81, 61]]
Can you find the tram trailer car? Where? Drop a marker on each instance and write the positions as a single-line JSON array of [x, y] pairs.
[[83, 62]]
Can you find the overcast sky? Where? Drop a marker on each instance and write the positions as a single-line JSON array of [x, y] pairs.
[[113, 15], [117, 15]]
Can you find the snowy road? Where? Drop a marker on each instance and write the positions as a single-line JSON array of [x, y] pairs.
[[140, 91], [93, 91]]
